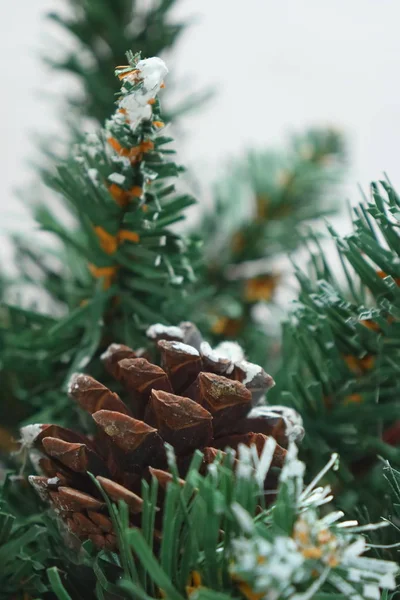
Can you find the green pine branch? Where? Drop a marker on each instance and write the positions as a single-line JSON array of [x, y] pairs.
[[290, 549], [57, 277], [341, 352], [257, 217], [101, 31], [33, 546], [23, 545], [121, 267]]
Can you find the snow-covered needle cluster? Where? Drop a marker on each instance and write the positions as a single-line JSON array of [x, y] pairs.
[[294, 550], [145, 80]]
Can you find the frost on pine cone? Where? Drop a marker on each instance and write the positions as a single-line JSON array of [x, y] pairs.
[[198, 399]]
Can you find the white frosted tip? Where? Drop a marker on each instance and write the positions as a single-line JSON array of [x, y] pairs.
[[251, 370], [117, 178], [158, 330], [230, 350], [184, 348], [110, 351], [29, 433]]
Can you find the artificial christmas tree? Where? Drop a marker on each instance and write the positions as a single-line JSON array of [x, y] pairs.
[[193, 519]]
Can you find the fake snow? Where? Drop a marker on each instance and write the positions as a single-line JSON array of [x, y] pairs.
[[76, 381], [233, 352], [117, 178], [208, 352], [230, 350], [180, 347], [122, 160], [92, 138], [344, 524], [264, 463], [282, 562], [92, 145], [29, 434], [136, 103], [93, 176], [371, 591], [251, 370], [279, 565], [53, 481], [293, 421], [177, 279], [35, 457], [244, 470], [153, 70], [158, 330], [73, 383], [41, 492], [135, 110], [110, 351], [293, 467], [387, 580]]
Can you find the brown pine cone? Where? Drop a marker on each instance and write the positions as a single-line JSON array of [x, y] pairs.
[[198, 399]]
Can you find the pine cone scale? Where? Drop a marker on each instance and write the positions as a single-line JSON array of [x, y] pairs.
[[181, 362], [139, 377], [134, 443], [92, 396], [119, 492], [77, 457], [180, 421], [127, 433]]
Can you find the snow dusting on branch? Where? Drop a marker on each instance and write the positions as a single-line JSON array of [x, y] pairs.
[[141, 85]]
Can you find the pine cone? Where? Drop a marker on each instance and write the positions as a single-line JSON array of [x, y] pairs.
[[198, 399]]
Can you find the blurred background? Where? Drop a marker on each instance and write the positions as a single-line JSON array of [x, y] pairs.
[[276, 67]]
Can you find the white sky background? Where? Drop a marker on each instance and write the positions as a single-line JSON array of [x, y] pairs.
[[277, 66]]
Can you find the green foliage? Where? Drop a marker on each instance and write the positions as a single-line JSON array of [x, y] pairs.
[[102, 30], [20, 555], [55, 277], [23, 551], [34, 551], [289, 547], [292, 548], [341, 351], [253, 224], [285, 550], [118, 269], [392, 551]]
